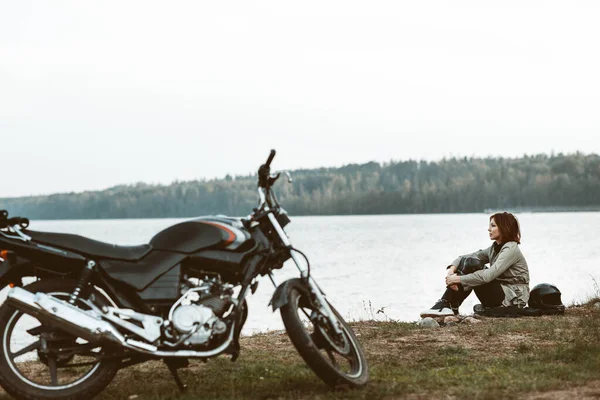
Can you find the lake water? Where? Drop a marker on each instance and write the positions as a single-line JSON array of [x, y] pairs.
[[395, 264]]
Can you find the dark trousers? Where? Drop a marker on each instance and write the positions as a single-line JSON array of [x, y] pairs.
[[490, 295]]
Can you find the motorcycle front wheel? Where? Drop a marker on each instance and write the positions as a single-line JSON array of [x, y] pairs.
[[337, 359]]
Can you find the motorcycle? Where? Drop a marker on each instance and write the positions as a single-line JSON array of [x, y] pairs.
[[95, 308]]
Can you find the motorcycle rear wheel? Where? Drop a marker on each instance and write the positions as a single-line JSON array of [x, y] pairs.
[[48, 376], [338, 361]]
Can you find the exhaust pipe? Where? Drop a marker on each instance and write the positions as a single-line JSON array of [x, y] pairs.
[[90, 326], [64, 316]]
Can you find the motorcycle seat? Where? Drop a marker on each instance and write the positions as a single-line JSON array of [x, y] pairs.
[[89, 247]]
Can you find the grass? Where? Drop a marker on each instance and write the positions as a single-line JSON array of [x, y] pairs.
[[534, 357]]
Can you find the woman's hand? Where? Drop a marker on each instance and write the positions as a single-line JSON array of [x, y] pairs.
[[452, 281], [452, 271]]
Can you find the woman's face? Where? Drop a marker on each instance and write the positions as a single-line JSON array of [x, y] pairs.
[[494, 231]]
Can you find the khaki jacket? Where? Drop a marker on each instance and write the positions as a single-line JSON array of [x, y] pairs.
[[508, 267]]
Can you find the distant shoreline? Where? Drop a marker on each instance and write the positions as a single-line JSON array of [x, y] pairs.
[[539, 183], [487, 212]]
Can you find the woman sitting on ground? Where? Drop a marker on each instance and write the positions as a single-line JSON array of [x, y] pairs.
[[505, 283]]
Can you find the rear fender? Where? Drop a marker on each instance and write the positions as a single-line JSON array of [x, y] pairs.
[[281, 295]]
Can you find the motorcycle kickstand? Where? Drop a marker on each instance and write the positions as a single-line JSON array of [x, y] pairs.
[[173, 366]]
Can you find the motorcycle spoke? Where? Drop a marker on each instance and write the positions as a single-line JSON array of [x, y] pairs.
[[349, 356], [33, 346], [53, 369], [305, 313], [332, 358]]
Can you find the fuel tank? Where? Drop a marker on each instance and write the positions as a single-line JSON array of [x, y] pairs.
[[203, 233], [196, 248], [215, 245]]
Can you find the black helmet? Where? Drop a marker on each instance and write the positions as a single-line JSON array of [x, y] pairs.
[[546, 297]]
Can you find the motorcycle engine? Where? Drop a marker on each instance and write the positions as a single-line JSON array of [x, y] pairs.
[[197, 316]]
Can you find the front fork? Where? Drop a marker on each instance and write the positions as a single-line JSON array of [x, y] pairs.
[[324, 308]]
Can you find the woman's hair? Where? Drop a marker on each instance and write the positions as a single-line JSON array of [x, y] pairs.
[[508, 226]]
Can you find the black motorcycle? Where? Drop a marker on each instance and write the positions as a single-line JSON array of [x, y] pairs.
[[95, 308]]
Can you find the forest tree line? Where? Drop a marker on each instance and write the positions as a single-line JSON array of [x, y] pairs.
[[453, 185]]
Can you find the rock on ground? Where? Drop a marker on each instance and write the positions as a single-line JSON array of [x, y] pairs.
[[471, 320], [428, 322]]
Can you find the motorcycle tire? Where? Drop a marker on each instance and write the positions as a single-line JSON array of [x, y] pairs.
[[15, 380], [318, 349]]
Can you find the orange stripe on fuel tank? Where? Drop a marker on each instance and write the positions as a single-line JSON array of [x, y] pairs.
[[231, 237]]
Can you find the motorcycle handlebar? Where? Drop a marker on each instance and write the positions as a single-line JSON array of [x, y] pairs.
[[22, 222], [265, 170], [271, 157]]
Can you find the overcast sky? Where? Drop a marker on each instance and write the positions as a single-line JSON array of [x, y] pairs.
[[99, 93]]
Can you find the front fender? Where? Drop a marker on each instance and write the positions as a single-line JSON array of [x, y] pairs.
[[281, 295]]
